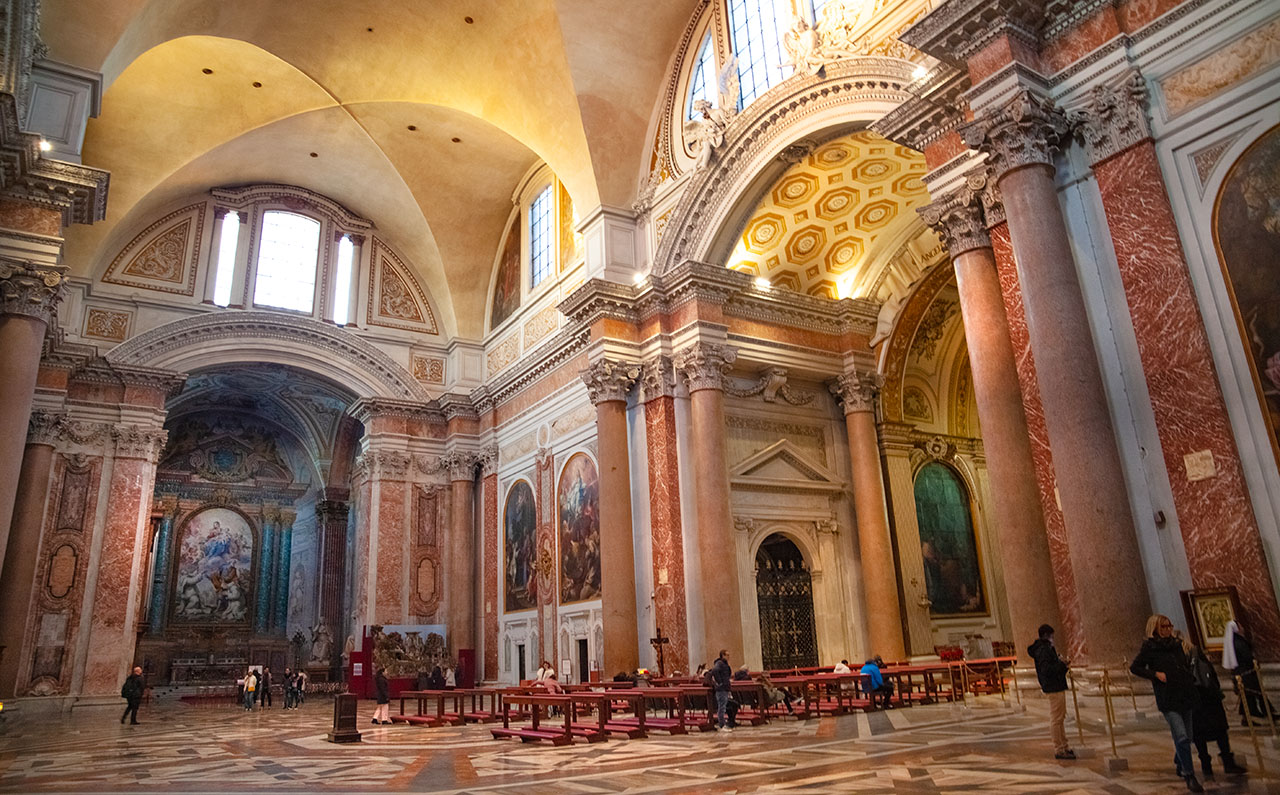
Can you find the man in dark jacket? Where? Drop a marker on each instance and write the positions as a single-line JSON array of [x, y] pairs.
[[264, 688], [132, 695], [722, 678], [1051, 670]]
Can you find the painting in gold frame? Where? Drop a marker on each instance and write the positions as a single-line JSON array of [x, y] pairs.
[[1208, 611]]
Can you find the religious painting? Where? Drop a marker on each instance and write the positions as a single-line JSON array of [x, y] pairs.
[[215, 557], [1246, 228], [520, 529], [1208, 611], [506, 290], [406, 650], [953, 578], [578, 501]]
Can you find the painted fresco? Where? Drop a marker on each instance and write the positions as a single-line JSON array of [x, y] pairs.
[[1246, 226], [215, 564], [520, 528], [578, 500], [952, 576], [506, 292]]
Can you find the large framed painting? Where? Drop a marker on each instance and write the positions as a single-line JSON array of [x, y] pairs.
[[214, 567], [578, 504], [1246, 230], [948, 546], [1208, 611], [506, 292], [519, 533]]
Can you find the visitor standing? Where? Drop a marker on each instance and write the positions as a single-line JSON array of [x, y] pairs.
[[1163, 661], [382, 689], [289, 681], [250, 689], [302, 688], [1209, 720], [722, 677], [1051, 671], [436, 680], [132, 692], [264, 688], [1237, 657]]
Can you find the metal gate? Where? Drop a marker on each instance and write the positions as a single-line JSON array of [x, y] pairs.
[[784, 594]]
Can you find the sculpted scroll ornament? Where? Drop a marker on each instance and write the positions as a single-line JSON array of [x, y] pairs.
[[857, 390], [707, 133], [1115, 119], [608, 380], [771, 385], [703, 365], [1025, 131], [29, 289], [657, 379]]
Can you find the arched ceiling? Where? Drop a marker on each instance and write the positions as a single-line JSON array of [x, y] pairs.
[[833, 223], [569, 83]]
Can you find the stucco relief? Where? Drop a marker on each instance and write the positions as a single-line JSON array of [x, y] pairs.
[[428, 369], [396, 300], [1222, 69], [541, 325], [107, 324], [503, 355], [163, 256]]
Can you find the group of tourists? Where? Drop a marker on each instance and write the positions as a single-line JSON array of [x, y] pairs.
[[1187, 691], [256, 688]]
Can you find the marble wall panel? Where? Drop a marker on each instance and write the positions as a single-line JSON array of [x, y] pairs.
[[1215, 513], [492, 582], [667, 532], [390, 578]]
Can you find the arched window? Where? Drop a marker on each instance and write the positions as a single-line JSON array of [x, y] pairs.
[[755, 33], [952, 574], [541, 260], [702, 83], [287, 258]]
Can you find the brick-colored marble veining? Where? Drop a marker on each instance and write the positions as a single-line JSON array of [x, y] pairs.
[[492, 586], [391, 566], [1089, 35], [1215, 514], [31, 218], [1055, 526], [667, 532]]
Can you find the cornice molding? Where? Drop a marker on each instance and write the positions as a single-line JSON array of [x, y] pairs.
[[78, 192], [366, 409], [565, 345], [936, 108], [958, 29]]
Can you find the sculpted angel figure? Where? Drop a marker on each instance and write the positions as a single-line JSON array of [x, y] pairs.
[[707, 132], [804, 48]]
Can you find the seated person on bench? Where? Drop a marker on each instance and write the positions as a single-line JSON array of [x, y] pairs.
[[877, 686], [552, 685]]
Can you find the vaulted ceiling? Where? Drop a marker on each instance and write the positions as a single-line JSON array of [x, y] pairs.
[[201, 93]]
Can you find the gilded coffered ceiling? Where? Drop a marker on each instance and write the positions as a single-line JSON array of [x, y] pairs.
[[834, 216]]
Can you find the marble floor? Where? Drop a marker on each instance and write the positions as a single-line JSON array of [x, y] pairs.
[[988, 746]]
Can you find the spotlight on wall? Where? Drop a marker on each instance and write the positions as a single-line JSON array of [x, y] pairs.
[[639, 278], [920, 71], [45, 146], [763, 284]]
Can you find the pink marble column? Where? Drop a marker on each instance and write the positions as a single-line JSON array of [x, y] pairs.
[[608, 383], [492, 574], [29, 295], [703, 367], [857, 391], [667, 533], [462, 550], [1019, 139], [23, 551], [1215, 513], [1024, 543]]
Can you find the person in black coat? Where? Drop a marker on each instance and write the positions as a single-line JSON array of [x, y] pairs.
[[132, 692], [1163, 661], [264, 688], [1209, 720], [436, 680], [382, 689], [1051, 670], [722, 684]]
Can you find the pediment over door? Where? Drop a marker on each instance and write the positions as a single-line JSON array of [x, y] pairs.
[[782, 465]]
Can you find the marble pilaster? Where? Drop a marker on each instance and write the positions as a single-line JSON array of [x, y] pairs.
[[492, 573], [280, 597], [462, 550], [264, 593], [158, 610]]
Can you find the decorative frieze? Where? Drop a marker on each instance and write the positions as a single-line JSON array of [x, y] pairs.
[[30, 290], [703, 365], [1027, 130], [857, 390], [1115, 118], [609, 380], [771, 385]]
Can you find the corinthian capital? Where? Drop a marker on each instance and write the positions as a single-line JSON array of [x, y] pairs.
[[461, 464], [135, 441], [1115, 118], [857, 390], [45, 427], [30, 289], [1024, 131], [609, 379], [703, 365], [958, 219]]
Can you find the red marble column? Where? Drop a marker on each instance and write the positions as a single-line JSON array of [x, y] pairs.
[[29, 295], [492, 576], [608, 383], [23, 551], [1024, 544], [858, 391], [666, 531], [462, 551], [1090, 479], [703, 366], [1215, 513]]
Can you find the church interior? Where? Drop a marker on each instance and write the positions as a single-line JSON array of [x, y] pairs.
[[356, 336]]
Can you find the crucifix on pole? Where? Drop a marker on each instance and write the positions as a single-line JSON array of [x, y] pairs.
[[657, 643]]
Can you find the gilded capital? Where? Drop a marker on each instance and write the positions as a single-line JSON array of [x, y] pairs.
[[31, 290], [609, 379], [703, 365], [857, 390], [1115, 118], [1026, 130]]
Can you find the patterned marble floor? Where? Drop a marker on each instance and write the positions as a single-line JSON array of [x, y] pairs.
[[986, 747]]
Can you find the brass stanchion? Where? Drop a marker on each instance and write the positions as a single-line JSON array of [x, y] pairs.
[[1133, 692], [1253, 737], [1266, 702], [1017, 691], [1116, 762], [1004, 697], [1075, 702]]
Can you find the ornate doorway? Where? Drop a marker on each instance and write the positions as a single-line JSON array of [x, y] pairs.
[[784, 595]]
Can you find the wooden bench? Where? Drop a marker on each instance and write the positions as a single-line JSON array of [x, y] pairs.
[[633, 728], [475, 711], [435, 718], [560, 735]]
